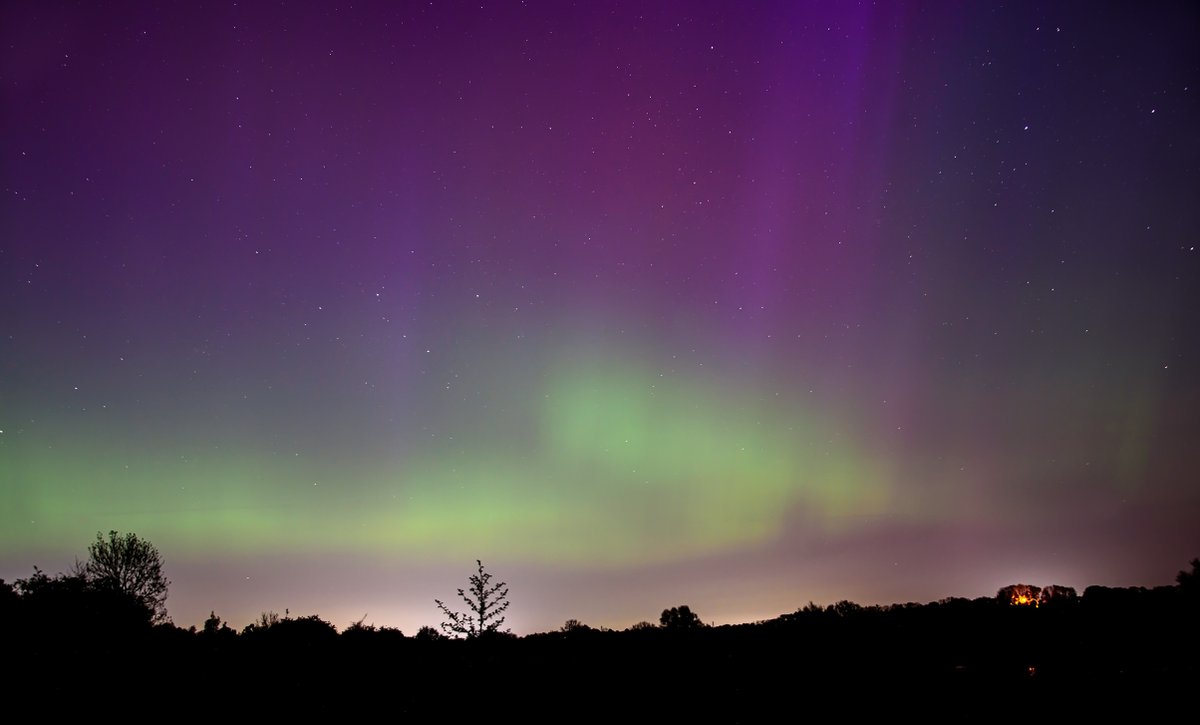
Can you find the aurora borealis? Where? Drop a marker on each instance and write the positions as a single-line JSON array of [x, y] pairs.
[[640, 303]]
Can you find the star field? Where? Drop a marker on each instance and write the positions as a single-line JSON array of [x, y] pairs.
[[640, 303]]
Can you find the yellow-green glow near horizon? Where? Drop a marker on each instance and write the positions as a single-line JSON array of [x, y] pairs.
[[743, 302], [628, 468]]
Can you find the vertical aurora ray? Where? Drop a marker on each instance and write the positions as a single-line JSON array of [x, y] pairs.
[[742, 306]]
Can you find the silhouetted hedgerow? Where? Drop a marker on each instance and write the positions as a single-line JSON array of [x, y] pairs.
[[79, 644]]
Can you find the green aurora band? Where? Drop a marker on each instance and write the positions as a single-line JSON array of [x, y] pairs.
[[630, 466]]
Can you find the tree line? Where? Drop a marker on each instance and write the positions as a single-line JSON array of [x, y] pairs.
[[1026, 639]]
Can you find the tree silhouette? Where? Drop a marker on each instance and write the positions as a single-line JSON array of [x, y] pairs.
[[574, 626], [1025, 595], [1059, 595], [213, 624], [130, 565], [681, 617], [486, 603], [1188, 581]]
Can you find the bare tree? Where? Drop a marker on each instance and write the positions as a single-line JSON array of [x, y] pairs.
[[131, 565], [486, 603]]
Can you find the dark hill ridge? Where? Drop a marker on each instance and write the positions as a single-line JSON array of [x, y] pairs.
[[1123, 643]]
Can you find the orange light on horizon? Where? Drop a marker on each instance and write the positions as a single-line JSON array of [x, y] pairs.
[[1023, 595]]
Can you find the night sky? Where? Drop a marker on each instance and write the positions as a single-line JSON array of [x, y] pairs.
[[642, 304]]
